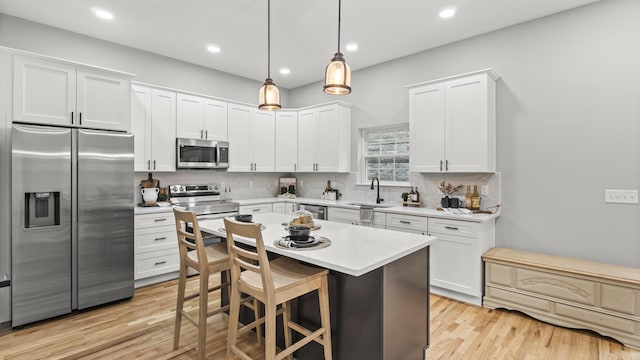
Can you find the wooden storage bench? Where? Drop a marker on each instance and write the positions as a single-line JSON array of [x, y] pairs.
[[567, 292]]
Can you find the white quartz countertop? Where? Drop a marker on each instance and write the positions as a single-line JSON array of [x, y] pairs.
[[354, 250], [386, 208]]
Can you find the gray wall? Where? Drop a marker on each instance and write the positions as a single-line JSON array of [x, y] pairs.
[[149, 68], [568, 114]]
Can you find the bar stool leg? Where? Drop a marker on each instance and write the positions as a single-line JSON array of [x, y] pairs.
[[286, 317], [256, 314], [234, 318], [202, 314], [270, 332], [323, 297], [182, 282]]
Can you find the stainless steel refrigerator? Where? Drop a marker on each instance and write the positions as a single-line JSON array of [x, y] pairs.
[[72, 220]]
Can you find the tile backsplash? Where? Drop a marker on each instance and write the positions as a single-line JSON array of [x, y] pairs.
[[311, 185]]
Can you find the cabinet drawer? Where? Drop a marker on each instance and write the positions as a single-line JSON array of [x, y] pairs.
[[454, 227], [351, 216], [156, 239], [410, 223], [154, 220], [256, 209], [156, 263]]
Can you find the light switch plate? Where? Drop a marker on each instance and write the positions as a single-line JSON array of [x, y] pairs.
[[621, 196]]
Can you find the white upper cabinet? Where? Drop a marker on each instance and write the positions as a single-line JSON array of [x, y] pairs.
[[324, 138], [56, 93], [286, 141], [153, 121], [452, 124], [251, 139], [201, 118]]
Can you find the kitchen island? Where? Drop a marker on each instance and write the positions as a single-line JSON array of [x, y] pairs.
[[378, 287]]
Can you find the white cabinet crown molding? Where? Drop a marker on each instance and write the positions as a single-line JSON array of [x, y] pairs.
[[489, 71]]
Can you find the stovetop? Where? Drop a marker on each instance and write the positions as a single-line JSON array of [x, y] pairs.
[[201, 198]]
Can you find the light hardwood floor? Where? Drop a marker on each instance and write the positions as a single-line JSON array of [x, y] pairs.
[[142, 328]]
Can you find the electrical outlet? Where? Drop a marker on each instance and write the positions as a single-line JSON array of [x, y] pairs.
[[621, 196], [484, 190]]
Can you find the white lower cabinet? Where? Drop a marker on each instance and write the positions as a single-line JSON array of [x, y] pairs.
[[456, 258], [347, 216], [256, 209], [156, 248], [407, 223], [286, 208]]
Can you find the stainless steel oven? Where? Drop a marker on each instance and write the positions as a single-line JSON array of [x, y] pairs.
[[201, 154], [205, 200]]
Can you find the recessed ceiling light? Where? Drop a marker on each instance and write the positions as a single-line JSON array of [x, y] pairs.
[[285, 71], [447, 13], [103, 14], [351, 47], [213, 49]]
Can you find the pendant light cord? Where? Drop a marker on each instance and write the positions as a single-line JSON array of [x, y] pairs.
[[339, 8], [269, 38]]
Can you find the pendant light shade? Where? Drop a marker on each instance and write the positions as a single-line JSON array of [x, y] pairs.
[[337, 78], [269, 96]]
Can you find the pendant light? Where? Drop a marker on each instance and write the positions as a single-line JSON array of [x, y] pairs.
[[337, 78], [269, 97]]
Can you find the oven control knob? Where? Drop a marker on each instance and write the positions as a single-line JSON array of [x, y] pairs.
[[214, 187], [182, 188], [174, 188]]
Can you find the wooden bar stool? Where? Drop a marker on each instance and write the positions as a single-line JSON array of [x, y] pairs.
[[206, 260], [273, 283]]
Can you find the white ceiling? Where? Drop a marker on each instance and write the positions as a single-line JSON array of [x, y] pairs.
[[303, 34]]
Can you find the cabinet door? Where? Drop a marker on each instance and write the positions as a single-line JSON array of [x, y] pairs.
[[327, 146], [307, 140], [455, 264], [102, 101], [141, 126], [239, 137], [279, 207], [286, 141], [263, 140], [43, 92], [256, 209], [163, 130], [466, 146], [427, 121], [215, 119], [189, 116]]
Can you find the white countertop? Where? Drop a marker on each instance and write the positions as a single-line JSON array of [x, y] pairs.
[[354, 250], [407, 210]]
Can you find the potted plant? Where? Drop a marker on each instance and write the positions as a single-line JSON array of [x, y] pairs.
[[405, 197], [447, 189]]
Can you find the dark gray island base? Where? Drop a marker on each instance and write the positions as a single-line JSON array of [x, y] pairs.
[[383, 314]]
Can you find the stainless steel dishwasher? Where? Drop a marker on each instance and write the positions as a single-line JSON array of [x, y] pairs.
[[317, 211]]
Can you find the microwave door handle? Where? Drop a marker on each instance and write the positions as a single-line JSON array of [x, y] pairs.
[[217, 154]]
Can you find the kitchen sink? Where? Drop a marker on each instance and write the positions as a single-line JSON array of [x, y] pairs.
[[370, 204]]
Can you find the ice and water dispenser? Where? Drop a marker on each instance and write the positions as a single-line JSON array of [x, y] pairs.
[[41, 209]]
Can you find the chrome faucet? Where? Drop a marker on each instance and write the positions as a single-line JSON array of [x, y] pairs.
[[378, 200]]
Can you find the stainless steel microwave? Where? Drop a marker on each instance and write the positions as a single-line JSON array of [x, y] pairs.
[[201, 154]]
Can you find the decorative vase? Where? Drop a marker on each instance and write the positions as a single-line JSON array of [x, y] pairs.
[[444, 202]]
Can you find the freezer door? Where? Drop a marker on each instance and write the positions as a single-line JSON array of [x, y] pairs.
[[41, 223], [105, 217]]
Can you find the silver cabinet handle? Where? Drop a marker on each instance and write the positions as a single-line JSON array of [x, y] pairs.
[[201, 134], [158, 220], [451, 228], [206, 134], [80, 118], [446, 165], [405, 222], [440, 165], [254, 210], [160, 238], [148, 164], [159, 263], [154, 164], [295, 167]]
